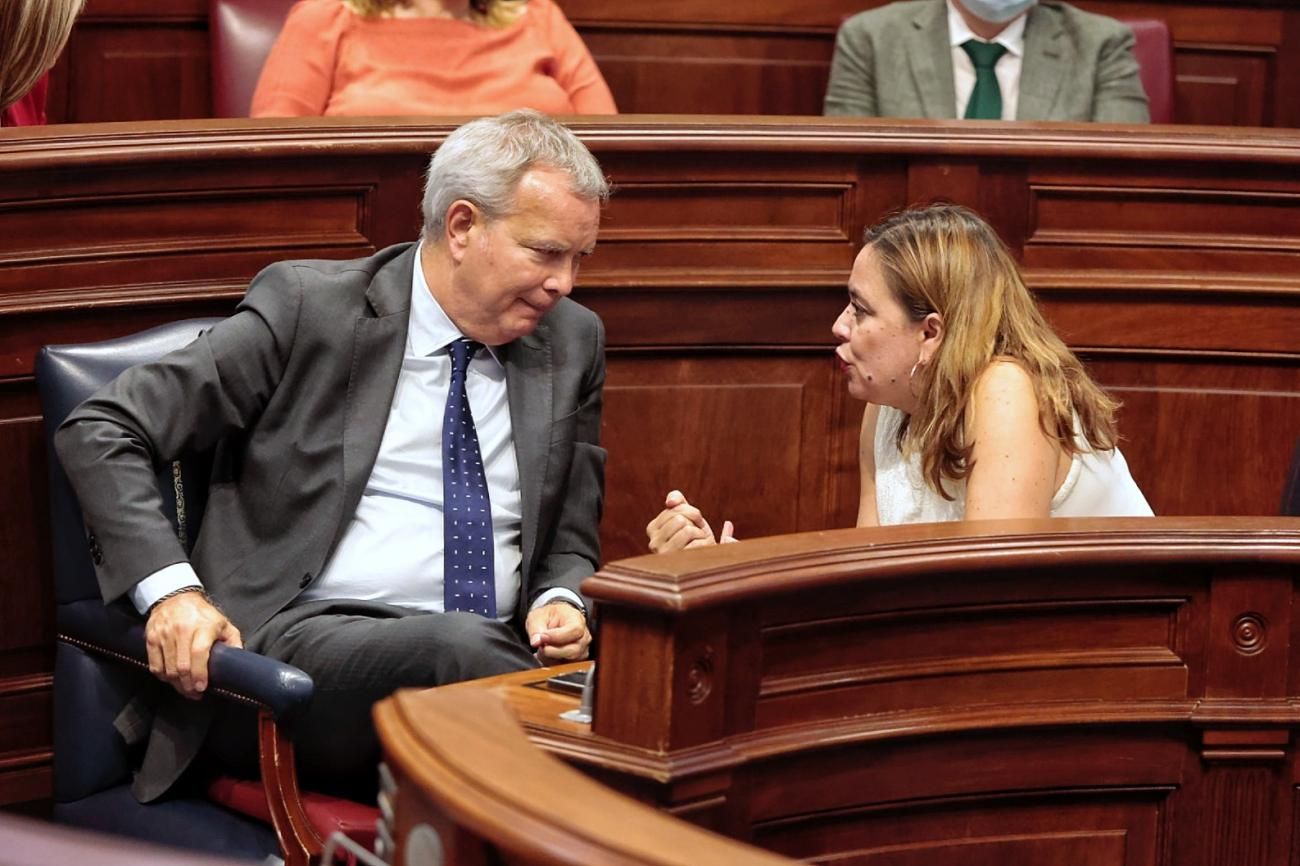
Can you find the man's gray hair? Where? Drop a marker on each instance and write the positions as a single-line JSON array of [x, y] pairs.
[[484, 160]]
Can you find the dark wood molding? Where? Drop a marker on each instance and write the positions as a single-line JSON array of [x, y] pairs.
[[722, 263]]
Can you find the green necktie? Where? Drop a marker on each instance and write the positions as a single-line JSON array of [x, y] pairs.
[[986, 98]]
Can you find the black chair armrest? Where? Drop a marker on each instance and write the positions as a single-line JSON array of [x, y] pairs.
[[234, 674]]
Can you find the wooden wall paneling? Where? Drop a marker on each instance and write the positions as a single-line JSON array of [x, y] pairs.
[[790, 14], [955, 180], [781, 236], [1174, 320], [707, 218], [1222, 85], [708, 70], [1102, 829], [134, 60], [1286, 108], [1229, 219], [1255, 611], [1173, 402], [758, 428], [1243, 794], [1154, 246], [26, 639]]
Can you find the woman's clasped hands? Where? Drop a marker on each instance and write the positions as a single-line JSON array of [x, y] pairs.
[[681, 525]]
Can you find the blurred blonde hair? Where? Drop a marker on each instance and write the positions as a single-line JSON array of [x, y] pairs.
[[945, 259], [32, 33], [492, 13]]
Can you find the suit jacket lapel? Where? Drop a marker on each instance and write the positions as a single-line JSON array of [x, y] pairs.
[[930, 57], [378, 344], [1045, 64], [529, 389]]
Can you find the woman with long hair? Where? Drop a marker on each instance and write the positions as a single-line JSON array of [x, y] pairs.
[[439, 57], [975, 408], [32, 34]]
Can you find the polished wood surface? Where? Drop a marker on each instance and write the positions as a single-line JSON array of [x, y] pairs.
[[1236, 63], [1166, 258], [1103, 692], [465, 771]]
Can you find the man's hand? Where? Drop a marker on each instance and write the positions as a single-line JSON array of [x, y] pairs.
[[681, 525], [558, 632], [179, 636]]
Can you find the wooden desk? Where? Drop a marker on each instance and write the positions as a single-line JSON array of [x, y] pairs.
[[1096, 692]]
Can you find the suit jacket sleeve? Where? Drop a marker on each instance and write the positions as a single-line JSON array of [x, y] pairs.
[[852, 86], [574, 551], [151, 414], [1119, 95]]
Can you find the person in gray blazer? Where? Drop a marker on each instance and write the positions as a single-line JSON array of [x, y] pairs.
[[1056, 62], [360, 525]]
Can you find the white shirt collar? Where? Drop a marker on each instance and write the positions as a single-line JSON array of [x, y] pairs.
[[430, 330], [1012, 38]]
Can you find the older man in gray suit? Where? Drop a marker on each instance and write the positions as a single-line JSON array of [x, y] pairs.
[[407, 478], [1007, 59]]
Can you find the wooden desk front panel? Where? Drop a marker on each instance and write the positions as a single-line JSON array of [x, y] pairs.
[[1235, 64], [721, 267], [1034, 797], [1055, 634], [979, 693]]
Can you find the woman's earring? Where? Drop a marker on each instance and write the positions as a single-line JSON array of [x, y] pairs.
[[912, 374]]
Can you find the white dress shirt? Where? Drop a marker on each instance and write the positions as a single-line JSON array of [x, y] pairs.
[[1007, 68], [392, 550]]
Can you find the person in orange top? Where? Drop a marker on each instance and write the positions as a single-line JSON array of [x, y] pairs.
[[383, 57]]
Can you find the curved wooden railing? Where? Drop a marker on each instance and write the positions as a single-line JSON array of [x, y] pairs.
[[466, 771], [1084, 691]]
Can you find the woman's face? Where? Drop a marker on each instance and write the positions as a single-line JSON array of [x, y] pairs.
[[879, 343]]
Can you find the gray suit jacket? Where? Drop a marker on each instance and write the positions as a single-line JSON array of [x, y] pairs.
[[895, 61], [293, 392]]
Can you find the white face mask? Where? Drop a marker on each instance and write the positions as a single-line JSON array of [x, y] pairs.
[[997, 11]]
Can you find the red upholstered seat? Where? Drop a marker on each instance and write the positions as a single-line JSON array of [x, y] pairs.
[[1155, 57], [326, 814], [242, 33]]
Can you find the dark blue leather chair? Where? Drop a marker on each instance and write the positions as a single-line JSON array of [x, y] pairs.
[[100, 660]]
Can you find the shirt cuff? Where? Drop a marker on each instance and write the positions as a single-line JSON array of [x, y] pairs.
[[558, 593], [169, 578]]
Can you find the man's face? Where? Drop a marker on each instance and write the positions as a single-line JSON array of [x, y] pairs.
[[512, 270]]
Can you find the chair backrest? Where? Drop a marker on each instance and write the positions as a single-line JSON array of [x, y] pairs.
[[66, 376], [88, 692], [1155, 56], [241, 35]]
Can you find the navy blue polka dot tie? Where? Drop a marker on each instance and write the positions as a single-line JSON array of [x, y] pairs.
[[467, 582]]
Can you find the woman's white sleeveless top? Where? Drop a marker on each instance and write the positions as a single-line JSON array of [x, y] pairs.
[[1097, 485]]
